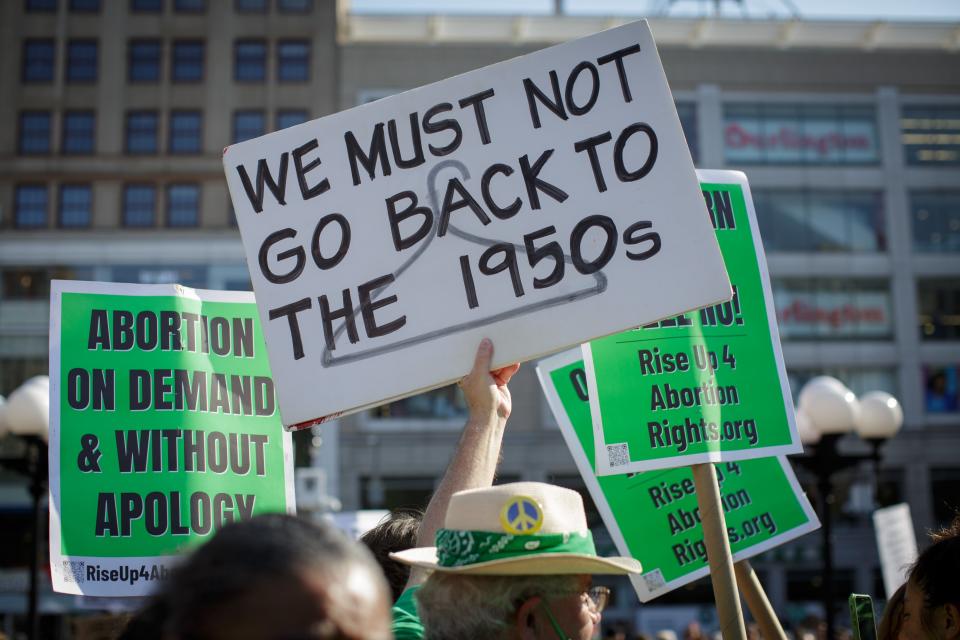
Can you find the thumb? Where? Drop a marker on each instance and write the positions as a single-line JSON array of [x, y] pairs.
[[481, 363]]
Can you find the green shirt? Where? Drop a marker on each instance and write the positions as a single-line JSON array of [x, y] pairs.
[[406, 621]]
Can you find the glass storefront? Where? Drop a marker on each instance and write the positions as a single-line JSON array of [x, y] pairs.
[[931, 135], [793, 220]]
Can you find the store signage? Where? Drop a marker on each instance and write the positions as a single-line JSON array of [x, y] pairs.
[[817, 314], [808, 140]]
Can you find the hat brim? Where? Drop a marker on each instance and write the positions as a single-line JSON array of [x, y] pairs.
[[529, 565]]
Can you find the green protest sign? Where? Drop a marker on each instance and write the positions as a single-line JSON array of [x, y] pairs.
[[705, 386], [653, 516], [163, 428]]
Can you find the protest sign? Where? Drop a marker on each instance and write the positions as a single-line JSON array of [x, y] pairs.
[[539, 202], [653, 516], [706, 386], [163, 428], [897, 544]]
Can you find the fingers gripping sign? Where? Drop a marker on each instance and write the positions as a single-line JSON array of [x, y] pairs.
[[486, 391]]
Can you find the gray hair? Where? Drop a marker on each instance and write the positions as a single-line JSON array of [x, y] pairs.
[[453, 607]]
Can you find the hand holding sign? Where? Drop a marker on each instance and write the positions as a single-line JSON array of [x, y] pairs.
[[486, 391]]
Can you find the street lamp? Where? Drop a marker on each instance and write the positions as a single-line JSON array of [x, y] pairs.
[[826, 411], [26, 414]]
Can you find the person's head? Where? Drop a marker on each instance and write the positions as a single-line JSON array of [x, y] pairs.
[[693, 631], [513, 562], [931, 607], [277, 576], [396, 532], [468, 606]]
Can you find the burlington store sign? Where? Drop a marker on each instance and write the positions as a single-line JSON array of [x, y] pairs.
[[787, 139]]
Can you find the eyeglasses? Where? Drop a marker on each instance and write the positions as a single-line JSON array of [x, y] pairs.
[[599, 597]]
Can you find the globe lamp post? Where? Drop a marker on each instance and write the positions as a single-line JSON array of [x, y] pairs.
[[26, 415], [827, 411]]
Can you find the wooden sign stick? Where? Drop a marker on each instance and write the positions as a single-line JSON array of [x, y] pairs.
[[718, 552], [757, 602]]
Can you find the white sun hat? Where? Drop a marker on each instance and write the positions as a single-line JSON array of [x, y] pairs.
[[522, 528]]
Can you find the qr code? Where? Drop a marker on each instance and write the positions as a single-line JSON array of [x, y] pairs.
[[619, 454], [653, 579], [73, 571]]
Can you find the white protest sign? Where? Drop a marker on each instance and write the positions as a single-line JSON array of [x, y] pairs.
[[541, 202], [897, 544]]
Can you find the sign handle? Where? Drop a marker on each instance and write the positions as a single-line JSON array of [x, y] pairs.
[[757, 602], [718, 552]]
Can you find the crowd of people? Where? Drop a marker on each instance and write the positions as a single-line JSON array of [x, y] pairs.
[[500, 562]]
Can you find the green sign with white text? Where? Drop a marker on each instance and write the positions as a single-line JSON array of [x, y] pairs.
[[164, 428], [653, 516], [705, 386]]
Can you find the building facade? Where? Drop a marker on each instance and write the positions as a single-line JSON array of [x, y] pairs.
[[116, 112]]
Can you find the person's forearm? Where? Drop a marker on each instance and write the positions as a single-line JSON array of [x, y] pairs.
[[473, 466]]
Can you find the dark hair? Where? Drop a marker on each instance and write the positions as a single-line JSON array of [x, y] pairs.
[[395, 532], [890, 623], [243, 556], [937, 570]]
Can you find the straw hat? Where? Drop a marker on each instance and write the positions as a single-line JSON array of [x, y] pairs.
[[523, 528]]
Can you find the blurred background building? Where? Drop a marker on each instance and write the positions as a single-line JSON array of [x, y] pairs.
[[115, 113]]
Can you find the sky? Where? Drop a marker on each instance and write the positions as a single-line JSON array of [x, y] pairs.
[[909, 10]]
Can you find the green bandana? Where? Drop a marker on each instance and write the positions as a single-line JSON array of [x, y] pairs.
[[459, 548]]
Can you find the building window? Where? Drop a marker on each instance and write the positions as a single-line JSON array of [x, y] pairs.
[[938, 301], [859, 380], [85, 6], [247, 125], [185, 132], [75, 205], [290, 117], [78, 132], [396, 492], [30, 206], [833, 309], [143, 61], [293, 60], [34, 138], [139, 205], [936, 221], [250, 61], [142, 132], [688, 122], [38, 55], [440, 404], [294, 6], [805, 134], [82, 61], [931, 135], [821, 221], [183, 205], [35, 6], [187, 61], [190, 6], [941, 388], [251, 6], [146, 6]]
